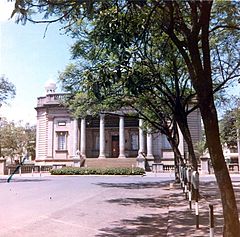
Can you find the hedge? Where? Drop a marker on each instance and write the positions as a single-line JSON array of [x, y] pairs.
[[97, 171]]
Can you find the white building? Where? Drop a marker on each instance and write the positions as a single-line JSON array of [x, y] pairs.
[[60, 136]]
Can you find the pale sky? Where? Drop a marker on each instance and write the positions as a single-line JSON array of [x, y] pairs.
[[28, 60]]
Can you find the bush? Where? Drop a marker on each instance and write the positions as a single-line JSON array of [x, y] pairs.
[[97, 171]]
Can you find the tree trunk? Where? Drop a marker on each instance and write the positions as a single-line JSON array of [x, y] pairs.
[[178, 160], [187, 137], [230, 212]]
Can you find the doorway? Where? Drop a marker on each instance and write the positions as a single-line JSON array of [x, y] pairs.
[[115, 146]]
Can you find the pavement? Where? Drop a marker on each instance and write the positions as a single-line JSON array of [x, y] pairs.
[[102, 206]]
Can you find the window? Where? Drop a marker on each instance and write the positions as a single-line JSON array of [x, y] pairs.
[[61, 123], [134, 141], [62, 140]]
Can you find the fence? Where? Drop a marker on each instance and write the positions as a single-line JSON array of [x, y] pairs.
[[26, 168]]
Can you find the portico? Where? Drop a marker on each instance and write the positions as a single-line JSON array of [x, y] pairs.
[[113, 136]]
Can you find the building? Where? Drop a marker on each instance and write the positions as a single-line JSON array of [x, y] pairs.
[[60, 136]]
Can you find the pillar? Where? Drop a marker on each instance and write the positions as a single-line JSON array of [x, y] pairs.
[[149, 146], [75, 137], [50, 145], [83, 138], [121, 138], [141, 139], [2, 165], [102, 137]]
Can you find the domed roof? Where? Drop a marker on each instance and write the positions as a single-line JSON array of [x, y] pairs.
[[50, 86]]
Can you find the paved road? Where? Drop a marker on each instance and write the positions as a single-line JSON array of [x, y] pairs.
[[82, 205], [100, 206]]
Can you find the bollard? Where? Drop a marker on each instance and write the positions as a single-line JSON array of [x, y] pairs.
[[185, 183], [32, 172], [197, 210], [211, 220], [20, 171], [195, 182], [40, 170], [189, 175]]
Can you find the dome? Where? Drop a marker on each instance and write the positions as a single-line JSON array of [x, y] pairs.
[[50, 86]]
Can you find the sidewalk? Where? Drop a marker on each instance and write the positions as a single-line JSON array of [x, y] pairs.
[[182, 220]]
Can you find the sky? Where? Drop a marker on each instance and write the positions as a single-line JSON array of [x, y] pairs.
[[29, 60]]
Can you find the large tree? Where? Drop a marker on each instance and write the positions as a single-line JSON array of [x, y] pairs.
[[203, 33], [155, 83]]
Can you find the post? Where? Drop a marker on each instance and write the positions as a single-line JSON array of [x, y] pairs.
[[189, 174], [185, 182], [211, 220], [195, 182]]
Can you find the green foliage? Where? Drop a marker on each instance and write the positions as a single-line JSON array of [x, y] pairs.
[[228, 128], [97, 171], [15, 139], [7, 89]]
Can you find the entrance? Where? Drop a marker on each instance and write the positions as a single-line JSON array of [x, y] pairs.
[[115, 146]]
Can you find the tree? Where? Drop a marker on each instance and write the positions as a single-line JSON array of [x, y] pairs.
[[7, 89], [155, 75], [229, 122], [191, 26], [161, 94], [15, 138]]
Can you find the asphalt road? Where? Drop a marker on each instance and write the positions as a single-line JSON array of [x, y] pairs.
[[81, 205], [103, 206]]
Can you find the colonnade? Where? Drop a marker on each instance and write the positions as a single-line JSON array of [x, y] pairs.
[[122, 154]]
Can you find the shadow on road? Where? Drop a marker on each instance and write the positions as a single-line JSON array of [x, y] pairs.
[[162, 185]]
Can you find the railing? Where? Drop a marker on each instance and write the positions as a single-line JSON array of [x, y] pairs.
[[168, 168], [26, 168], [51, 98]]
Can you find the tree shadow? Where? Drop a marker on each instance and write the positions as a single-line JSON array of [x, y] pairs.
[[163, 185], [174, 218], [153, 225], [23, 180]]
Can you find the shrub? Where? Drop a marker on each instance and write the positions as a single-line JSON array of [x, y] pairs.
[[97, 171]]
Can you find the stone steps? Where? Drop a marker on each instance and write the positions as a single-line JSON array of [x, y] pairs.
[[111, 162]]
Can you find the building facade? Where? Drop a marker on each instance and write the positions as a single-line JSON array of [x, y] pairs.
[[60, 136]]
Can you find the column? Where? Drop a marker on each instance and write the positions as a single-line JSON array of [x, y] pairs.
[[149, 145], [121, 138], [50, 146], [102, 137], [83, 138], [141, 139]]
